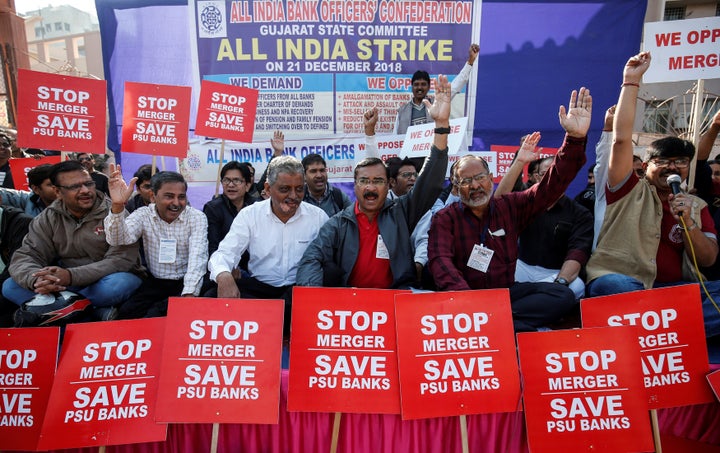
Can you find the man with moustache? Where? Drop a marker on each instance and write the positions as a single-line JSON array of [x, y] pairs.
[[66, 248], [368, 244], [318, 190], [473, 244], [275, 232], [647, 232], [173, 234]]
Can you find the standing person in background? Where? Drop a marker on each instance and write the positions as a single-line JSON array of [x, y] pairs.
[[101, 181], [414, 112]]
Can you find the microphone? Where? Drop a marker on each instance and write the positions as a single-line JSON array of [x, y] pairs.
[[674, 183]]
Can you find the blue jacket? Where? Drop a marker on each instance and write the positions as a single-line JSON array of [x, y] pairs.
[[335, 249]]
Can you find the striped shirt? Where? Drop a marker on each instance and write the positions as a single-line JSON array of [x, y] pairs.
[[189, 231]]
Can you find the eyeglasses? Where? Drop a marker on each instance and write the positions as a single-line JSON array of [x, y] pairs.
[[681, 162], [539, 173], [408, 174], [5, 144], [84, 159], [145, 186], [479, 178], [377, 182], [78, 186], [234, 181]]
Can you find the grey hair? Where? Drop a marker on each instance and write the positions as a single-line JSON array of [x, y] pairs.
[[283, 164]]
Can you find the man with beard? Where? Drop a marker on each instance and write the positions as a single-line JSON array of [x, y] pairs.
[[275, 232], [174, 236], [66, 248], [649, 235], [414, 112], [368, 245], [474, 244], [317, 189]]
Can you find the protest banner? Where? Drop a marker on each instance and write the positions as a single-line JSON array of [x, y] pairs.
[[27, 367], [671, 336], [582, 391], [221, 362], [60, 112], [506, 155], [20, 168], [105, 388], [156, 119], [419, 139], [343, 351], [456, 353], [226, 111], [683, 49]]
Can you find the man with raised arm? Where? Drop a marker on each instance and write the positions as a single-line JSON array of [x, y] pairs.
[[649, 235], [368, 244], [414, 111], [174, 236], [474, 244]]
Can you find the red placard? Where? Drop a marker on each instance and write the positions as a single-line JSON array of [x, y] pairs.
[[156, 119], [27, 366], [456, 353], [671, 335], [506, 154], [226, 111], [221, 362], [61, 112], [714, 381], [20, 168], [343, 355], [105, 388], [583, 391]]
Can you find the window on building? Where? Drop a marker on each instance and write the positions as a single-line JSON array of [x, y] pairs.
[[58, 26], [48, 27], [674, 13], [656, 117], [39, 32], [67, 26]]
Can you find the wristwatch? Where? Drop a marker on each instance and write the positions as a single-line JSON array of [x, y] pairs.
[[562, 281]]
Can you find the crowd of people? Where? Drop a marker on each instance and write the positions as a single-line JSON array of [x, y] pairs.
[[127, 246]]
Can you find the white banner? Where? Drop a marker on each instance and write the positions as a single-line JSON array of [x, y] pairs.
[[683, 50]]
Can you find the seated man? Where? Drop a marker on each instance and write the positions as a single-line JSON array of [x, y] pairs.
[[174, 236], [14, 224], [414, 112], [318, 190], [275, 232], [66, 248], [42, 195], [474, 244], [6, 147], [649, 235], [144, 195], [403, 176], [556, 245], [368, 243]]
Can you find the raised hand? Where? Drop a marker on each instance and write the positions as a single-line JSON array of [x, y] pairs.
[[576, 120], [528, 152], [120, 192], [278, 143], [370, 119], [440, 108], [636, 67], [609, 115]]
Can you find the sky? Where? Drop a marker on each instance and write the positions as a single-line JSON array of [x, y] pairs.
[[23, 6]]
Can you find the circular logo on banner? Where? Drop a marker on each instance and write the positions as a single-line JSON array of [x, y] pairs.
[[211, 18]]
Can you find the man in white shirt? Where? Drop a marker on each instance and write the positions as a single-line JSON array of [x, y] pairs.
[[275, 232], [174, 237]]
